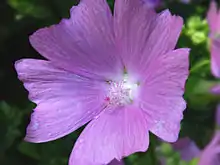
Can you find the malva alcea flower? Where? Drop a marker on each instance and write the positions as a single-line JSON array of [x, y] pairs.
[[119, 72], [187, 148], [213, 18], [210, 155]]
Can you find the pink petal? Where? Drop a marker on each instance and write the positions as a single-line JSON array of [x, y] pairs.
[[215, 58], [113, 135], [142, 35], [210, 155], [187, 148], [215, 89], [161, 95], [212, 16], [64, 101], [83, 44]]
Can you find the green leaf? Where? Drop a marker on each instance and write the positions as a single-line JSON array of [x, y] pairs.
[[30, 8]]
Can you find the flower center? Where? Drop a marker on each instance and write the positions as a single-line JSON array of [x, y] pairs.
[[121, 93]]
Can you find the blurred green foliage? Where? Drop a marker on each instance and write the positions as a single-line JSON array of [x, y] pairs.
[[20, 18]]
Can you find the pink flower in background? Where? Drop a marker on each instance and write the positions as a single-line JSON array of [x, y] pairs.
[[119, 72], [215, 63], [187, 148], [213, 18], [210, 155]]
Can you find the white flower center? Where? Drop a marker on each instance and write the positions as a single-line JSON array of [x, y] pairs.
[[121, 93]]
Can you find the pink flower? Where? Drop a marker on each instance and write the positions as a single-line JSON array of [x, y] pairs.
[[213, 18], [215, 63], [187, 148], [210, 155], [119, 72]]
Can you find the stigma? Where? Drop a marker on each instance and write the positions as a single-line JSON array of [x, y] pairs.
[[121, 93]]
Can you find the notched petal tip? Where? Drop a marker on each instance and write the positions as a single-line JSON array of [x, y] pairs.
[[165, 12], [20, 66], [17, 64], [31, 140], [34, 38], [186, 51], [173, 140]]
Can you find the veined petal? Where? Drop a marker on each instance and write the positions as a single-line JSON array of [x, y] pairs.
[[113, 135], [161, 94], [142, 35], [64, 101], [83, 44]]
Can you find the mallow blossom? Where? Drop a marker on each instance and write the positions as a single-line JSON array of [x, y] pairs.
[[187, 148], [215, 63], [213, 18], [210, 155], [120, 72]]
